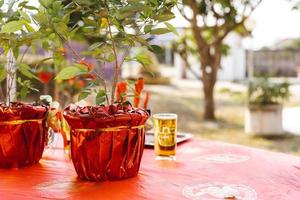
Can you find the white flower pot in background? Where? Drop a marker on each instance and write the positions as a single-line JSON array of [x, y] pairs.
[[264, 120]]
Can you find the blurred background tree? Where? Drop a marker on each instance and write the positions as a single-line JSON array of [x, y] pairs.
[[211, 21]]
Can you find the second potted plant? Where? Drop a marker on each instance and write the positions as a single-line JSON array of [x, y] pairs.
[[264, 113]]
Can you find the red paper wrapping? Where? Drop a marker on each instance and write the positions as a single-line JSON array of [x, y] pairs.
[[23, 134], [106, 146]]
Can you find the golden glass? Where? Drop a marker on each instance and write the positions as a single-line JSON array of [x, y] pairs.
[[165, 131]]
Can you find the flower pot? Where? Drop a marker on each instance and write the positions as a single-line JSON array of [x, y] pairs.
[[23, 134], [106, 146], [264, 119]]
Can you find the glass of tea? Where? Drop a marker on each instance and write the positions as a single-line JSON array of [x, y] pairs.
[[165, 131]]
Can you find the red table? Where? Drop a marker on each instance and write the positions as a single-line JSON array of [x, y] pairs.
[[203, 169]]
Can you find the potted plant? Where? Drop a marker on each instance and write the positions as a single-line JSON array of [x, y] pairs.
[[107, 138], [23, 131], [264, 113]]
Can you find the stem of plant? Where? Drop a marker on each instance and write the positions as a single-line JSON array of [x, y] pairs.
[[116, 75], [11, 78], [104, 84]]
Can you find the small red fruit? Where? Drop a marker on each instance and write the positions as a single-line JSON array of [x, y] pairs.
[[80, 84], [45, 77], [71, 81]]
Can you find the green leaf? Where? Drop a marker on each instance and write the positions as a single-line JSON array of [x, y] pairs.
[[141, 40], [16, 52], [30, 7], [2, 73], [41, 18], [57, 5], [111, 57], [24, 16], [100, 98], [130, 11], [25, 88], [23, 93], [70, 72], [166, 16], [43, 61], [94, 46], [159, 31], [130, 82], [148, 28], [45, 3], [25, 70], [156, 49], [22, 4], [12, 27], [132, 8], [61, 28], [143, 59], [89, 22], [171, 28], [83, 95], [66, 18], [29, 28]]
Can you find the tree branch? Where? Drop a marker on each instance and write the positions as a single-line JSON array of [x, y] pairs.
[[228, 28], [181, 10], [196, 29]]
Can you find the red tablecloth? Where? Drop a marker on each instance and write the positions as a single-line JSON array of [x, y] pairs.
[[203, 169]]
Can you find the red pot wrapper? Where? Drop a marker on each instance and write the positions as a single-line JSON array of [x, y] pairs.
[[106, 146], [23, 134]]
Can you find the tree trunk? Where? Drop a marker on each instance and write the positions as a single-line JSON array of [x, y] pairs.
[[210, 59], [184, 66], [210, 64], [209, 103], [208, 90]]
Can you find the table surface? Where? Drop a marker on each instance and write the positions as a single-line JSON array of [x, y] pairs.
[[203, 170]]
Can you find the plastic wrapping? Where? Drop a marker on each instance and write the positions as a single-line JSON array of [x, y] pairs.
[[23, 134], [106, 146]]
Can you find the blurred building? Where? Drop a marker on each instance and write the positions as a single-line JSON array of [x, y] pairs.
[[275, 63], [233, 66], [280, 60]]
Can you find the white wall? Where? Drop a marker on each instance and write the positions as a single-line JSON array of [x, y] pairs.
[[233, 66]]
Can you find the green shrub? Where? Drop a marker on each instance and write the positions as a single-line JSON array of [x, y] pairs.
[[262, 91]]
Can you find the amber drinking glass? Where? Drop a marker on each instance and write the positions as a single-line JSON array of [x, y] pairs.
[[165, 130]]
